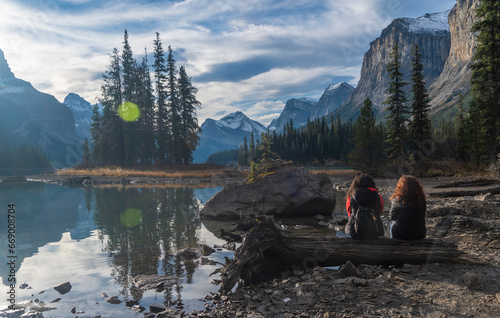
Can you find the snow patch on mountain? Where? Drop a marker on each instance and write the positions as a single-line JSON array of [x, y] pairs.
[[431, 22]]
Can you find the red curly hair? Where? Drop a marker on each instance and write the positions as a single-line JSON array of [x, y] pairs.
[[409, 192]]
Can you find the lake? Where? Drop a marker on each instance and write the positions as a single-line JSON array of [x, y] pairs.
[[98, 239]]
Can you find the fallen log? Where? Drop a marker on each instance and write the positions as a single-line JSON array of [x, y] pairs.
[[265, 252], [494, 189]]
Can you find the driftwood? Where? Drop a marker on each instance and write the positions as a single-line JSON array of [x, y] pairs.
[[494, 189], [265, 252]]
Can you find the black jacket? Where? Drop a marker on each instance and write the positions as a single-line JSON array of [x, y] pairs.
[[410, 221]]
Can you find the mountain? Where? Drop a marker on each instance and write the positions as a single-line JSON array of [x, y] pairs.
[[333, 97], [298, 110], [455, 77], [37, 119], [432, 34], [224, 134], [82, 111]]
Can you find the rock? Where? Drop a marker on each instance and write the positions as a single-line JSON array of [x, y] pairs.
[[157, 308], [73, 310], [206, 250], [63, 288], [14, 313], [15, 179], [138, 308], [470, 279], [56, 300], [171, 313], [288, 192], [32, 314], [24, 286], [348, 269], [146, 282], [113, 300], [494, 244], [131, 303]]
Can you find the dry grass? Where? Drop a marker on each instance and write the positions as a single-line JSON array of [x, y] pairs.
[[120, 172], [155, 186], [336, 173]]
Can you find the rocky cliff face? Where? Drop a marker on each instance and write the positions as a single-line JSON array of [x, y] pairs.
[[34, 118], [432, 34], [298, 110], [333, 97], [455, 76], [82, 111]]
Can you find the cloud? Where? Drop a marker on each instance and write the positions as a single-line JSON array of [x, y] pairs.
[[240, 54]]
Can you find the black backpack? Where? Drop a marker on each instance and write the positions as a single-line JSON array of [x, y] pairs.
[[364, 223]]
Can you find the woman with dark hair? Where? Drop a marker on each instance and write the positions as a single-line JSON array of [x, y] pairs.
[[408, 209], [363, 198]]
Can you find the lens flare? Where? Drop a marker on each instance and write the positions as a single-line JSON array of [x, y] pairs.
[[129, 111], [131, 217]]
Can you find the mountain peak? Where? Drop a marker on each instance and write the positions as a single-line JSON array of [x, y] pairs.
[[430, 22], [5, 71]]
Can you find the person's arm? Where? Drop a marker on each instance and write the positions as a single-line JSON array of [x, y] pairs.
[[348, 206], [381, 204], [394, 211]]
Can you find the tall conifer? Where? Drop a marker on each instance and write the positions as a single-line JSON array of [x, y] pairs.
[[486, 76], [395, 101], [420, 124]]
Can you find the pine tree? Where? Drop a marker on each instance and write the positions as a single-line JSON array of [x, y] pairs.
[[252, 154], [395, 101], [130, 88], [420, 124], [147, 118], [96, 135], [486, 75], [461, 131], [189, 123], [85, 153], [162, 118], [176, 141], [364, 155], [112, 146]]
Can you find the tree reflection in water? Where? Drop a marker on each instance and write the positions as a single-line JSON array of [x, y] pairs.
[[144, 245]]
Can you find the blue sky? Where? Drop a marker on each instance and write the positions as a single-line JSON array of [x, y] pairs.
[[250, 55]]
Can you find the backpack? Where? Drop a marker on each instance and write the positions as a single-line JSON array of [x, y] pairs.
[[364, 223]]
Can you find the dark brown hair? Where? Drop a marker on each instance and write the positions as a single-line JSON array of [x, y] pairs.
[[361, 180], [409, 192]]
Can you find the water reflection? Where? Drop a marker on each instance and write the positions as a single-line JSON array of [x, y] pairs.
[[97, 237], [157, 223]]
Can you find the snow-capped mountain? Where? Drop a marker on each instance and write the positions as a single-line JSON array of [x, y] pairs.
[[298, 110], [224, 134], [82, 110], [430, 22]]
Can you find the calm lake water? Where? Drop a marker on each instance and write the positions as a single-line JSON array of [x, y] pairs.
[[98, 239]]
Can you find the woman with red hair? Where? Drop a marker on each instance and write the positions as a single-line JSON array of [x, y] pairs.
[[408, 209]]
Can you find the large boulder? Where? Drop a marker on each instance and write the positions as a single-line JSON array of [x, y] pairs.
[[288, 192]]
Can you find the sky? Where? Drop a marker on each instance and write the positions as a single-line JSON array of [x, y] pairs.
[[250, 55]]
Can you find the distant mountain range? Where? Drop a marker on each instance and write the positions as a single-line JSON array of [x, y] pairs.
[[224, 134], [36, 119], [447, 47]]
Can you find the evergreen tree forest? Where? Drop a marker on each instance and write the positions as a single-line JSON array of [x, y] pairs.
[[148, 117], [23, 158]]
